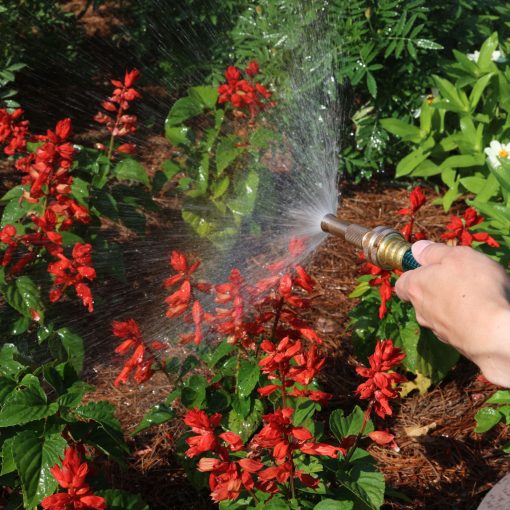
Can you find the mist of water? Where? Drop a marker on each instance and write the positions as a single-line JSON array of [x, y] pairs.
[[300, 190]]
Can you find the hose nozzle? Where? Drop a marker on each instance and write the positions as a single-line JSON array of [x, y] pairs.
[[383, 246]]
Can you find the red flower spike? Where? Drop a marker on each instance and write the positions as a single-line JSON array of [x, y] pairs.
[[141, 361], [381, 385], [459, 233], [417, 199], [244, 94], [71, 476]]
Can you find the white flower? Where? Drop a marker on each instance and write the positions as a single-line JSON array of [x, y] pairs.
[[473, 56], [497, 151], [497, 56]]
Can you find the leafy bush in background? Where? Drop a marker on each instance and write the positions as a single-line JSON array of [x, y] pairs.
[[219, 152], [462, 136], [383, 55]]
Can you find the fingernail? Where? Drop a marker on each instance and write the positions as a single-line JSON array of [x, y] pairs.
[[418, 248]]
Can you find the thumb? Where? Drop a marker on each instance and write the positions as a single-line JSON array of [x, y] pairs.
[[427, 252]]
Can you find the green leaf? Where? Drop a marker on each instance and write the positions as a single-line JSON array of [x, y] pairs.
[[16, 210], [6, 388], [227, 153], [245, 427], [249, 373], [499, 397], [223, 349], [276, 503], [129, 169], [244, 202], [108, 435], [24, 296], [371, 84], [160, 413], [486, 51], [434, 358], [478, 90], [220, 187], [205, 95], [305, 409], [486, 418], [182, 110], [427, 44], [73, 345], [409, 336], [360, 289], [188, 364], [34, 456], [198, 223], [80, 190], [14, 193], [178, 135], [26, 404], [8, 463], [344, 426], [426, 169], [334, 504], [74, 394], [202, 178], [410, 162], [455, 100], [9, 367], [402, 129], [117, 499], [217, 400], [193, 391], [364, 482]]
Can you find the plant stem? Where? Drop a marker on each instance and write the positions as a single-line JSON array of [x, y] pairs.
[[279, 308], [366, 416]]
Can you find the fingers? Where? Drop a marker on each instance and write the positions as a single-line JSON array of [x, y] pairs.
[[402, 286], [427, 252]]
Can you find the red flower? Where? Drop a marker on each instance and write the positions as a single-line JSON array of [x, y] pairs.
[[417, 199], [71, 476], [383, 281], [121, 124], [141, 360], [458, 230], [204, 426], [381, 385], [252, 68], [69, 272], [384, 439], [244, 94]]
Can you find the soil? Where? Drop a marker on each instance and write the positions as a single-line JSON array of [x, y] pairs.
[[441, 464]]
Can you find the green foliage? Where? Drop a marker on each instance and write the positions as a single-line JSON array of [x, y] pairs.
[[456, 128], [220, 173], [40, 404], [425, 354], [8, 71], [488, 417]]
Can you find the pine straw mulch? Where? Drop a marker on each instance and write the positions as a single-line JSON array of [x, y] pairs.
[[442, 463]]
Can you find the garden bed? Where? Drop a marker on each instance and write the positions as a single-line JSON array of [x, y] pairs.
[[441, 464]]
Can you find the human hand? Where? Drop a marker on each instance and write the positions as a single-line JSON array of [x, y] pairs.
[[464, 298]]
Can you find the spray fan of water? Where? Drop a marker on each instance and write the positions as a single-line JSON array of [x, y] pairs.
[[301, 190]]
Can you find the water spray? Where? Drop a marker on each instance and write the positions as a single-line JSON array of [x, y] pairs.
[[383, 246]]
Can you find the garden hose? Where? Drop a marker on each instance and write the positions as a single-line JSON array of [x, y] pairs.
[[383, 246]]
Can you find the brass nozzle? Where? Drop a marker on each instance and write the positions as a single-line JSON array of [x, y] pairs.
[[382, 246]]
